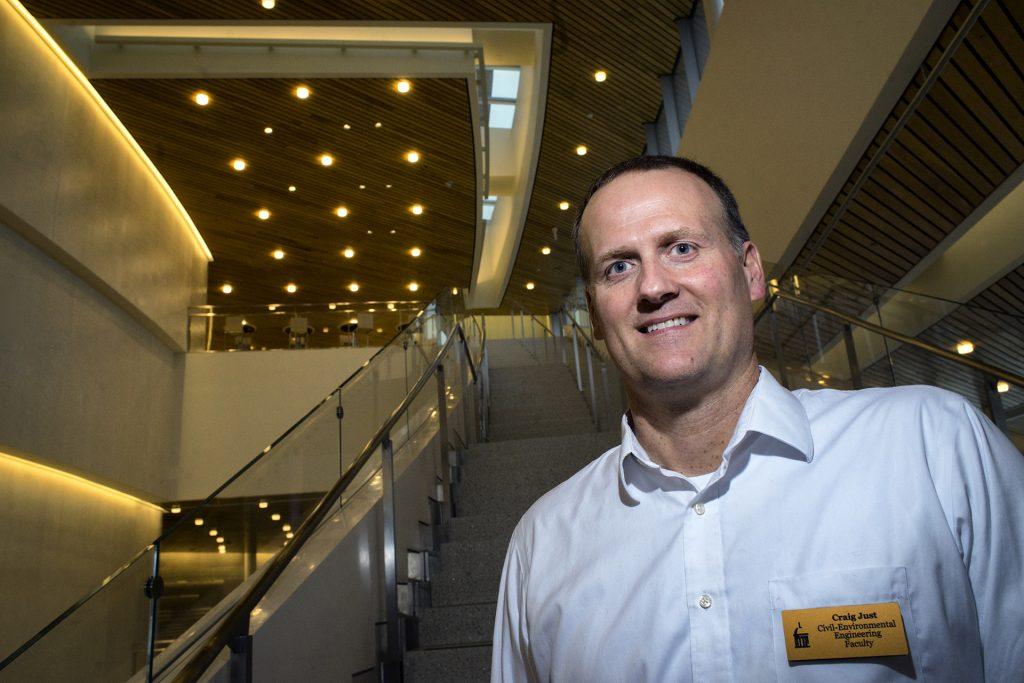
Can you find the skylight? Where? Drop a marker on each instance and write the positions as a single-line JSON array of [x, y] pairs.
[[504, 84], [502, 115], [488, 211]]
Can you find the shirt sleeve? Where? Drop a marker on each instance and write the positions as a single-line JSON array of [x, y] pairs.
[[988, 501], [511, 639]]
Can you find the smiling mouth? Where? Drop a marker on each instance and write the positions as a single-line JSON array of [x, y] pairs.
[[681, 321]]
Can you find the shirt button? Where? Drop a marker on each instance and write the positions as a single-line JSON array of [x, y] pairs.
[[699, 508], [705, 601]]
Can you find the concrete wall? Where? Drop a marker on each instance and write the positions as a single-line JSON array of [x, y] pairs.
[[235, 404], [76, 187]]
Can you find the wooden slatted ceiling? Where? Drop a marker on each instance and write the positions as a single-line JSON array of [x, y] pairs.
[[192, 146], [634, 42], [965, 139]]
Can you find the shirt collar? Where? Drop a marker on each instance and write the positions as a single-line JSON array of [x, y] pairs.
[[770, 410]]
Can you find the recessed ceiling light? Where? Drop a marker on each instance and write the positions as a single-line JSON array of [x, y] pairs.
[[272, 307], [412, 157], [362, 187], [369, 232], [581, 150], [278, 254], [226, 288], [391, 307], [263, 505], [353, 287], [332, 306], [388, 186], [221, 549], [600, 76], [1002, 386], [353, 321], [303, 92], [392, 231], [415, 252], [347, 127], [455, 290], [290, 534], [275, 517], [326, 330], [545, 250], [268, 4], [413, 286], [263, 214], [326, 159], [175, 509], [371, 310], [530, 285], [212, 532], [238, 164], [380, 330], [341, 212], [563, 205], [291, 288], [416, 209], [198, 521], [291, 188], [286, 527], [403, 86], [965, 347], [202, 98], [268, 130], [378, 124], [348, 252]]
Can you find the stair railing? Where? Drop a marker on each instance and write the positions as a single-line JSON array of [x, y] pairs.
[[233, 630], [808, 337]]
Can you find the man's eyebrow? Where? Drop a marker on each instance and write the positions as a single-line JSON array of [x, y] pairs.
[[664, 238]]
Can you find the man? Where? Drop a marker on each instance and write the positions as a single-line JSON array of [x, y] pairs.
[[742, 531]]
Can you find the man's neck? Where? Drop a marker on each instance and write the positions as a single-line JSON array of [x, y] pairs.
[[689, 435]]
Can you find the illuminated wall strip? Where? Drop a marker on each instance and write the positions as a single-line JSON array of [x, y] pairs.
[[45, 470], [84, 82]]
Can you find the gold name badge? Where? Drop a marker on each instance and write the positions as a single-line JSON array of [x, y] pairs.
[[874, 630]]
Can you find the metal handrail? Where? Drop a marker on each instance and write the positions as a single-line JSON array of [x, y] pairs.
[[980, 366], [238, 617], [192, 512]]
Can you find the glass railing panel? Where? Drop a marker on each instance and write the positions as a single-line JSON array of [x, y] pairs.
[[297, 326], [104, 640]]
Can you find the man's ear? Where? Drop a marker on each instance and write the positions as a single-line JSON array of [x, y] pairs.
[[753, 271], [595, 320]]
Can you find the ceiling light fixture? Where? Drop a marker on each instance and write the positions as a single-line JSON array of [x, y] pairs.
[[371, 310], [291, 188], [263, 505], [202, 98], [348, 252], [268, 4], [347, 127], [415, 252], [600, 76], [277, 254], [391, 307], [263, 214], [291, 288], [341, 212], [222, 550], [378, 124], [268, 130], [412, 157], [362, 187], [326, 159], [403, 86], [563, 205], [198, 521], [226, 288], [416, 209], [276, 517], [303, 92], [175, 509], [455, 291], [272, 307], [965, 347], [332, 306], [353, 287], [1002, 386], [220, 539], [290, 534], [238, 164], [530, 285], [581, 150], [213, 532], [413, 286], [545, 250], [353, 321], [286, 527]]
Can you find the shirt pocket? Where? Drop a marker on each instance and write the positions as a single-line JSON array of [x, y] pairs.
[[856, 586]]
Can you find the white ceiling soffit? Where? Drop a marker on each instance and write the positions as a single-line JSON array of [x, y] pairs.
[[506, 159], [792, 95]]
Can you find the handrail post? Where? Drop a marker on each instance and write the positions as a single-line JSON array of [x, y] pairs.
[[340, 412], [593, 389], [565, 351], [576, 356], [393, 653], [512, 321], [466, 396], [851, 357], [522, 324], [442, 439], [780, 360], [240, 664], [154, 589]]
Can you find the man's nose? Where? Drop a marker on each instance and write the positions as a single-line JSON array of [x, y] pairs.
[[656, 285]]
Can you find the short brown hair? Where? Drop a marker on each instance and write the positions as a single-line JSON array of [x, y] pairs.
[[735, 230]]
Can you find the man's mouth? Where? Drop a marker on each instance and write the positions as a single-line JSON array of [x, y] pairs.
[[681, 321]]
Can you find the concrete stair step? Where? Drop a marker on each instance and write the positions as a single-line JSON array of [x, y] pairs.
[[449, 665], [483, 527], [516, 431], [457, 625]]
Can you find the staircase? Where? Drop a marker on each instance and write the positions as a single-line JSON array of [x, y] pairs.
[[541, 433]]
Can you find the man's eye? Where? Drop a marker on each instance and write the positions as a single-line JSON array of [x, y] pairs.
[[682, 249], [618, 267]]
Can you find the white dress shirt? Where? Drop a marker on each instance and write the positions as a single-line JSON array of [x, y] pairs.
[[631, 572]]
